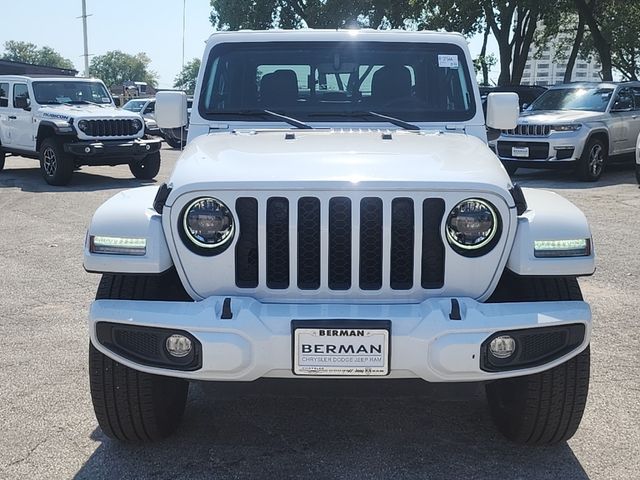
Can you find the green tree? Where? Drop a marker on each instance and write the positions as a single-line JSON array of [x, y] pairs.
[[186, 79], [116, 67], [237, 14], [30, 53]]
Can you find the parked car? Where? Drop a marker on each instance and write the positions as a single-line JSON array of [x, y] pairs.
[[363, 229], [69, 122], [526, 93], [578, 125], [145, 107]]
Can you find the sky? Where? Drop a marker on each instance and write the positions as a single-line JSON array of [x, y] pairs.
[[155, 28]]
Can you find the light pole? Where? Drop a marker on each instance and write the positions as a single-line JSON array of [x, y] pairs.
[[86, 41]]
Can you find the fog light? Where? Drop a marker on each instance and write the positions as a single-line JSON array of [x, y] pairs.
[[148, 147], [178, 345], [502, 347], [87, 149]]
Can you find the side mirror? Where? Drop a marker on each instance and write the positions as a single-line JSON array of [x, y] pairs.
[[503, 110], [171, 109], [22, 102], [525, 106]]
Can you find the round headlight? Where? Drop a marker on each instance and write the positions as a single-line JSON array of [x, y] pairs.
[[137, 124], [83, 125], [208, 223], [472, 224]]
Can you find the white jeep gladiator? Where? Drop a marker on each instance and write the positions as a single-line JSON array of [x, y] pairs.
[[338, 214], [67, 122]]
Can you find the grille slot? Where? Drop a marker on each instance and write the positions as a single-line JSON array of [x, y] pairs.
[[247, 245], [432, 246], [340, 243], [370, 243], [110, 128], [278, 242], [308, 243], [402, 243]]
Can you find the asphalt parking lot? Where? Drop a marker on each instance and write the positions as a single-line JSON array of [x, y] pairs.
[[314, 429]]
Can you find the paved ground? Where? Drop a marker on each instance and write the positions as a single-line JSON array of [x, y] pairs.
[[262, 430]]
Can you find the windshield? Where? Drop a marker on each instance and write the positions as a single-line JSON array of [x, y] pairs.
[[338, 81], [134, 105], [590, 99], [70, 92]]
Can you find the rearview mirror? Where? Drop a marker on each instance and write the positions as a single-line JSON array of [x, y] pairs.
[[503, 109], [171, 109]]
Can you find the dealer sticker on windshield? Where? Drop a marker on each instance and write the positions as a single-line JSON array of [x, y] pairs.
[[448, 61], [341, 351]]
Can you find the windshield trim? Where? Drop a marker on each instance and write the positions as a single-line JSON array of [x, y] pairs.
[[438, 117], [71, 80]]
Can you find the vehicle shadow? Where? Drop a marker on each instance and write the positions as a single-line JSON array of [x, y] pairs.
[[326, 429], [615, 174], [30, 180]]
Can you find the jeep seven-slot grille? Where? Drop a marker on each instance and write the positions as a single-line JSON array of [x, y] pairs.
[[529, 130], [304, 216], [111, 128]]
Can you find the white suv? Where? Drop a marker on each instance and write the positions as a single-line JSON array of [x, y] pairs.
[[579, 125], [67, 122], [337, 213]]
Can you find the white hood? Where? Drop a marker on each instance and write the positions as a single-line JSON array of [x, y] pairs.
[[338, 159], [554, 117], [65, 112]]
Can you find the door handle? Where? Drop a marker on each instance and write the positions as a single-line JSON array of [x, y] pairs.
[[12, 117]]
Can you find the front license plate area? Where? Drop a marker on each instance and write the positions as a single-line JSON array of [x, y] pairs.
[[520, 152], [341, 347]]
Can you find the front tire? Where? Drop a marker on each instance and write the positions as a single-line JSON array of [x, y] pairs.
[[637, 173], [55, 164], [147, 168], [593, 160], [544, 408], [133, 406]]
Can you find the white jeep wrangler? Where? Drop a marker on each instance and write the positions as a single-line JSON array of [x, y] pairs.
[[67, 122], [337, 213]]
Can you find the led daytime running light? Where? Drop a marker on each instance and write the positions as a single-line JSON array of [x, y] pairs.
[[562, 248], [118, 245]]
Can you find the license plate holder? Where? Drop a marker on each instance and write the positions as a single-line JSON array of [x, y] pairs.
[[341, 348], [520, 152]]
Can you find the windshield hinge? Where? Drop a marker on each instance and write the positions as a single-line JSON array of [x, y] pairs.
[[219, 126]]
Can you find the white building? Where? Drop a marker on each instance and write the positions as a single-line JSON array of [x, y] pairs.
[[546, 70]]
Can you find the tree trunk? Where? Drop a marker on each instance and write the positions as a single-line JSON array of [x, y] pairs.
[[483, 57], [601, 44], [524, 34], [571, 62]]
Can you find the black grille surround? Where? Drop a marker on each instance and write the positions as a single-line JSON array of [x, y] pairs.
[[371, 227], [111, 128]]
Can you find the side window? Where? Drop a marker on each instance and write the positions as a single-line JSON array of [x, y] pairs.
[[4, 94], [624, 100], [20, 91], [150, 108]]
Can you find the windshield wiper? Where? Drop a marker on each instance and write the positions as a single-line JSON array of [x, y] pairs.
[[393, 120], [257, 113]]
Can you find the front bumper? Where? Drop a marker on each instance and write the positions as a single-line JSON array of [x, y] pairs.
[[113, 152], [256, 342], [554, 150]]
